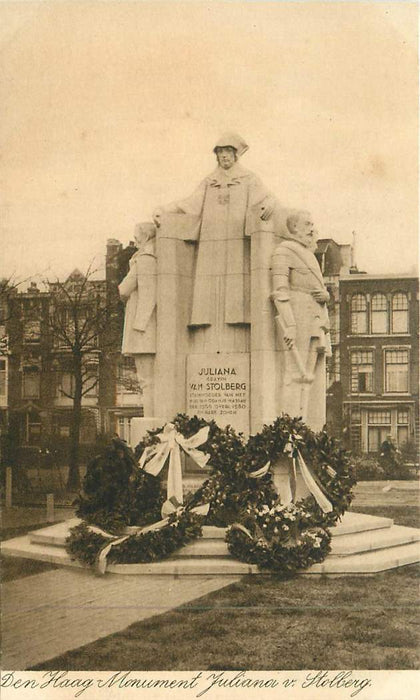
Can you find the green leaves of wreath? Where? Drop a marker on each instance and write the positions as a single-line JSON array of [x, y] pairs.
[[260, 529]]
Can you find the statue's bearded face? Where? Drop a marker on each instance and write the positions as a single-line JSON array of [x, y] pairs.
[[226, 156], [305, 232]]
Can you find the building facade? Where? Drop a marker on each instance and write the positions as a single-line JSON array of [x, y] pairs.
[[4, 361], [379, 360], [37, 381], [335, 260]]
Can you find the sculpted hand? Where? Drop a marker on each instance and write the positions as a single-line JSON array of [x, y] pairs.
[[289, 336], [320, 295], [156, 215]]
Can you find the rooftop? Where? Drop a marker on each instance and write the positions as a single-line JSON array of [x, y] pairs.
[[368, 276]]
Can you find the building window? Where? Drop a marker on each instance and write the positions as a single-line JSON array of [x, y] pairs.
[[403, 420], [32, 331], [3, 377], [399, 315], [127, 381], [65, 385], [362, 371], [333, 367], [31, 382], [379, 426], [33, 429], [90, 379], [359, 314], [61, 425], [88, 429], [379, 314], [124, 429], [396, 370]]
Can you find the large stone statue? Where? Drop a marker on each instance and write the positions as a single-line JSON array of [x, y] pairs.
[[224, 204], [202, 342], [138, 289], [300, 297]]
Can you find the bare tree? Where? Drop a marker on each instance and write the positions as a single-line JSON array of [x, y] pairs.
[[82, 322], [8, 290]]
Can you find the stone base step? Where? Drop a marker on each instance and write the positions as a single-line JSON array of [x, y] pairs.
[[203, 548], [26, 549], [355, 564], [54, 535], [351, 523], [373, 540], [367, 562], [361, 544]]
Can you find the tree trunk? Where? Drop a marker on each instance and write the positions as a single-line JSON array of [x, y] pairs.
[[73, 480]]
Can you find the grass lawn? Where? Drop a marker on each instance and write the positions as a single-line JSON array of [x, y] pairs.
[[409, 516], [268, 623]]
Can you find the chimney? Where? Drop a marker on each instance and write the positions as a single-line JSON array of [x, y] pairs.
[[353, 250]]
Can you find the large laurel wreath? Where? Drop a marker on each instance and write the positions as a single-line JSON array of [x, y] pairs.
[[260, 529]]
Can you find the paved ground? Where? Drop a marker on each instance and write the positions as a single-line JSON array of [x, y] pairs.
[[47, 614]]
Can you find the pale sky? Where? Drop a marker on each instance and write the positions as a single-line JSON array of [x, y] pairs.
[[111, 108]]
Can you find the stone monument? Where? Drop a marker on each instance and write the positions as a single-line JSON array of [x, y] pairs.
[[211, 289]]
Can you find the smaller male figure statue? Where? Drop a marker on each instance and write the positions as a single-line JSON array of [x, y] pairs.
[[138, 288], [300, 297]]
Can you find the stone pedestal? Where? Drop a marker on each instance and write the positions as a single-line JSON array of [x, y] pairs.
[[264, 355], [230, 372], [225, 372]]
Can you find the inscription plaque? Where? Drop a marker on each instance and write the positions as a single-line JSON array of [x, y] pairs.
[[218, 388]]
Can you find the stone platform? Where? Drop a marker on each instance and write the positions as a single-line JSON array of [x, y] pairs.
[[361, 545]]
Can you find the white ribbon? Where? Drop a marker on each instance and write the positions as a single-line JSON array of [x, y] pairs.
[[101, 558], [260, 472], [154, 457], [309, 480]]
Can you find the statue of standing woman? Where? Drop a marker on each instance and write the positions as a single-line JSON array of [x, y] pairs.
[[225, 203]]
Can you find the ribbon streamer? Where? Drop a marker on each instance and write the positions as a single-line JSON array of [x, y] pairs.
[[260, 472], [102, 556], [313, 487], [293, 451], [171, 442]]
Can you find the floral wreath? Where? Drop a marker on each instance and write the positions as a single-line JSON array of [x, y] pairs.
[[239, 494]]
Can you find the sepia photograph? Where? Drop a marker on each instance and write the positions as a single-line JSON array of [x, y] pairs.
[[209, 349]]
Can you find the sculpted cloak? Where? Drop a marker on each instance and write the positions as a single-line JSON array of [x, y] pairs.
[[139, 288], [296, 273], [225, 202]]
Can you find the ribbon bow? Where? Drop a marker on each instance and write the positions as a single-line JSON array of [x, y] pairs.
[[154, 457]]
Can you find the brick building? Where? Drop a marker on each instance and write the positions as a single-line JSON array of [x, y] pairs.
[[335, 261], [379, 359], [4, 358], [37, 381]]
